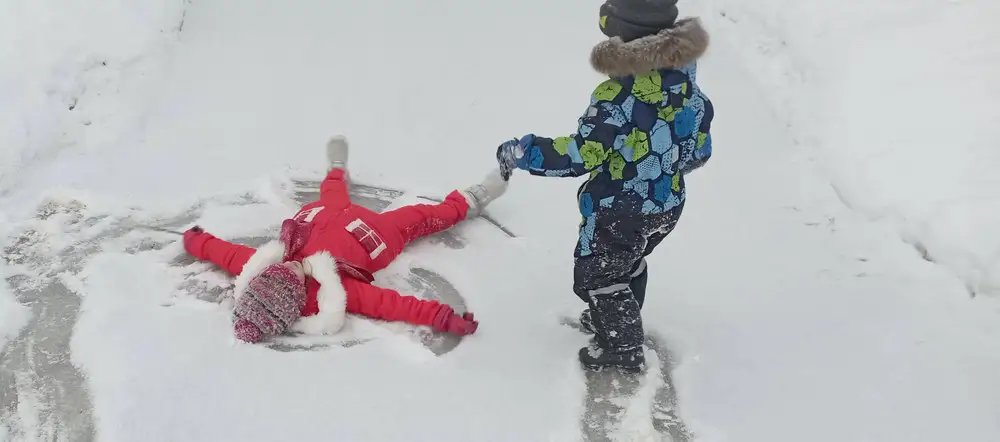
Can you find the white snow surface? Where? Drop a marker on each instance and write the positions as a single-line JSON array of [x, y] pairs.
[[895, 98], [790, 293], [71, 71], [13, 316]]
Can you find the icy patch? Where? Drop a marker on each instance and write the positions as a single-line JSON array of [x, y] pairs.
[[13, 315], [42, 394]]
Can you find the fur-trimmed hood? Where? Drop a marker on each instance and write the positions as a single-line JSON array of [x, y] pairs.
[[332, 298], [671, 48]]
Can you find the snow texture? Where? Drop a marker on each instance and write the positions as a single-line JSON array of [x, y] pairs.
[[816, 288], [895, 98], [13, 316], [73, 73]]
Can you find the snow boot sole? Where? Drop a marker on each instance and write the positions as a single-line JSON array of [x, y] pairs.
[[631, 363]]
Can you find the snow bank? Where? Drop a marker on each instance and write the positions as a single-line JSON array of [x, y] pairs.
[[65, 64], [896, 97]]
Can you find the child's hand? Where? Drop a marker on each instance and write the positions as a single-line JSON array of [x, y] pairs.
[[507, 155], [463, 325], [448, 322], [189, 237]]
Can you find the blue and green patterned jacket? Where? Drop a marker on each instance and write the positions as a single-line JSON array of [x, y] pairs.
[[646, 127]]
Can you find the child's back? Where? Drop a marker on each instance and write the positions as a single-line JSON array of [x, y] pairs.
[[646, 127]]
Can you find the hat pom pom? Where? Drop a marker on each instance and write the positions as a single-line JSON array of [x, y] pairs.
[[247, 332]]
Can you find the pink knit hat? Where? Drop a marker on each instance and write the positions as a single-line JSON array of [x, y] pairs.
[[272, 302]]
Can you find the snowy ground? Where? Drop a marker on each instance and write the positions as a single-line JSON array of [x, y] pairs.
[[792, 303], [895, 98]]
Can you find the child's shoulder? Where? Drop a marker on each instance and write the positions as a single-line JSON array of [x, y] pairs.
[[613, 87]]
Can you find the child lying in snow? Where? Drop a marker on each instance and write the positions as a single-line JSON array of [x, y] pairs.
[[646, 128], [322, 266]]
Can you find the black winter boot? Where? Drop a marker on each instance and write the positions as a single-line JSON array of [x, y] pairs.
[[638, 287], [596, 358], [617, 323]]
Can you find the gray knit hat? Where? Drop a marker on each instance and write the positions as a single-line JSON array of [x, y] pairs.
[[632, 19]]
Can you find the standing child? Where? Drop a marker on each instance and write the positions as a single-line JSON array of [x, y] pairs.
[[646, 128], [321, 268]]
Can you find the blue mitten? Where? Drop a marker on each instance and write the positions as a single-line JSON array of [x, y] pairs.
[[508, 155]]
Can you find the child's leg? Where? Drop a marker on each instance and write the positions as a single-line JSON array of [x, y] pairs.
[[419, 220], [610, 273], [607, 252], [333, 190], [640, 273]]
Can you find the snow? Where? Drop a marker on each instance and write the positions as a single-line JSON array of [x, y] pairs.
[[895, 98], [70, 63], [141, 351], [13, 316], [791, 292]]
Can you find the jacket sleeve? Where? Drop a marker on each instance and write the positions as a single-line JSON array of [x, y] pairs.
[[225, 254], [695, 154], [597, 135], [387, 304]]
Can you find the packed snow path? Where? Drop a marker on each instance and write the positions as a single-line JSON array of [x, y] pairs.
[[787, 317]]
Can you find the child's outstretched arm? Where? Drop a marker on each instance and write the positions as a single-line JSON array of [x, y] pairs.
[[389, 305], [206, 247], [598, 134]]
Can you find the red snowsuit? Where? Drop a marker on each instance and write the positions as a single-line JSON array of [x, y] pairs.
[[348, 232]]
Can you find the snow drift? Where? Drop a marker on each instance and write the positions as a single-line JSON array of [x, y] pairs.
[[897, 100], [68, 68]]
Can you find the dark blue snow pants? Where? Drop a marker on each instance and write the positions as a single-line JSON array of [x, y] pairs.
[[612, 278]]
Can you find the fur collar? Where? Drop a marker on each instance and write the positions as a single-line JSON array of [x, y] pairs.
[[332, 298], [672, 48]]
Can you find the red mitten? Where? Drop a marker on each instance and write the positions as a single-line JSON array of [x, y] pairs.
[[189, 239], [463, 325], [447, 321]]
